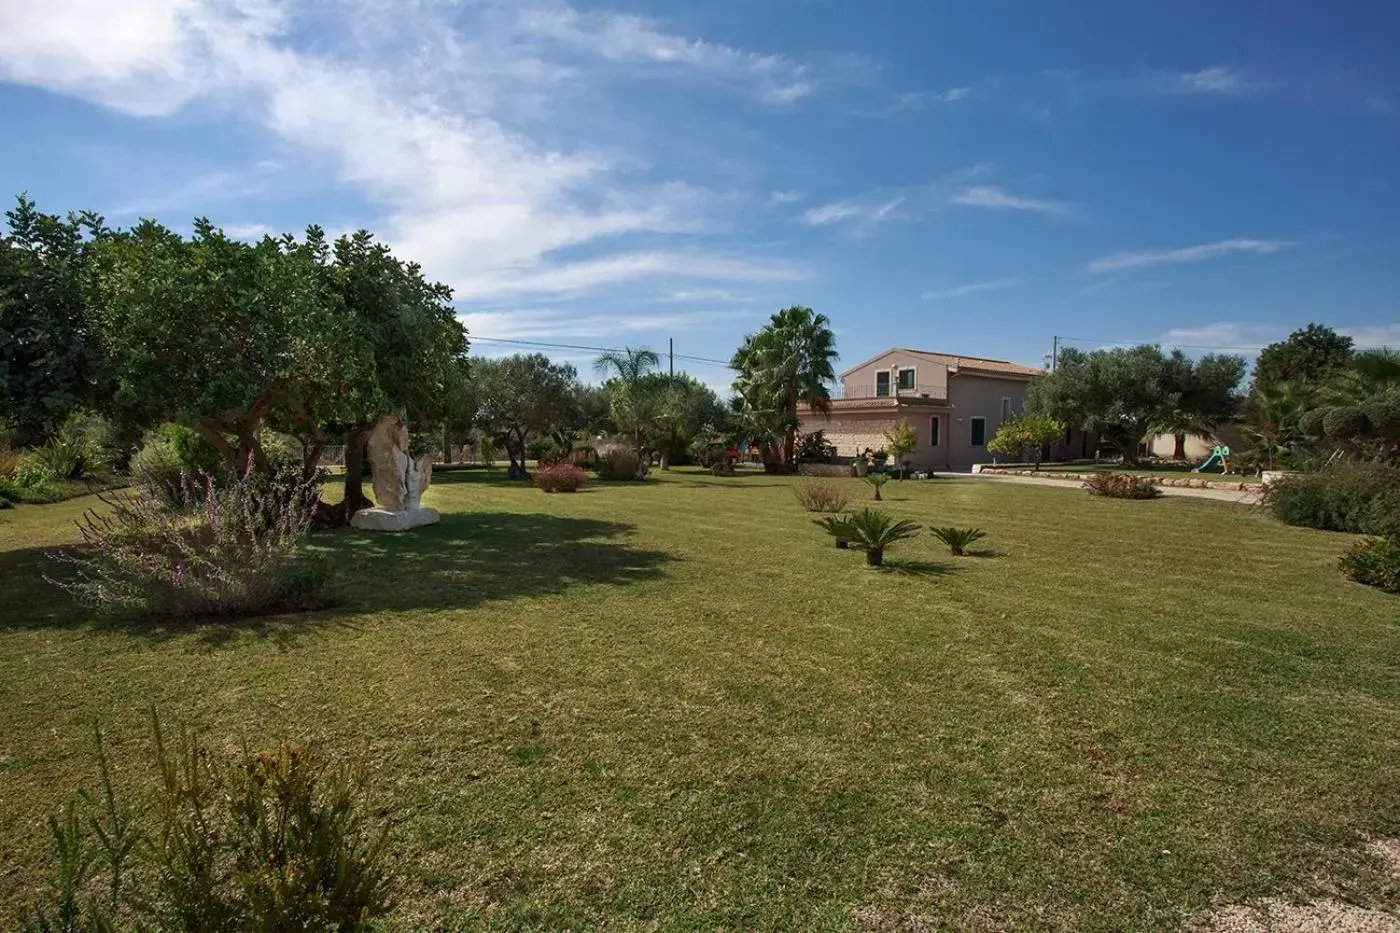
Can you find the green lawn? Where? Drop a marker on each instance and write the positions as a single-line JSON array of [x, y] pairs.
[[674, 705]]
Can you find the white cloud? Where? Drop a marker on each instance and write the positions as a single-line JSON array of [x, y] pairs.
[[547, 325], [1200, 253], [1232, 335], [705, 294], [247, 231], [963, 290], [865, 214], [583, 275], [422, 134], [775, 78], [998, 199], [1374, 336], [785, 197], [1217, 80]]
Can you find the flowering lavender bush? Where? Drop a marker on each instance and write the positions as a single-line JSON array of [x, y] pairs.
[[232, 548]]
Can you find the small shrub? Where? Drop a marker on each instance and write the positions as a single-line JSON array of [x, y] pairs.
[[1121, 486], [619, 466], [33, 474], [817, 495], [10, 458], [171, 454], [813, 448], [877, 480], [85, 445], [232, 839], [240, 552], [1362, 498], [1374, 562], [871, 531], [957, 539], [560, 477]]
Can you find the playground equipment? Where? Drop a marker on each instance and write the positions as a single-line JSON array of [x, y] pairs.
[[1217, 456]]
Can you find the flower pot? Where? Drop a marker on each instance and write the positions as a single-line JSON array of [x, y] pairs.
[[862, 468]]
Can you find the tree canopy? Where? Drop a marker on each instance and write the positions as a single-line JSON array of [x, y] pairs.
[[1123, 393], [523, 398], [1310, 356], [49, 359], [790, 361]]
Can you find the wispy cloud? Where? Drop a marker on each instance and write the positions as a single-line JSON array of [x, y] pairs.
[[998, 199], [1216, 80], [776, 79], [454, 177], [1224, 335], [246, 231], [975, 288], [1200, 253], [865, 215], [785, 197], [553, 324]]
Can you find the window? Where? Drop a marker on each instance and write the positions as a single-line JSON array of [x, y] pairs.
[[882, 383], [933, 426], [1005, 409], [979, 432], [906, 378]]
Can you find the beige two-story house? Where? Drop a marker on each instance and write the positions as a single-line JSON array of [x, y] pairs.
[[954, 403]]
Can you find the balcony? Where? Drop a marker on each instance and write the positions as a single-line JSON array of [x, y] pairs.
[[934, 392]]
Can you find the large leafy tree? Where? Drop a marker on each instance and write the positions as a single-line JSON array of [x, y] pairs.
[[50, 363], [1310, 357], [1027, 432], [1124, 393], [790, 361], [523, 398], [207, 330], [397, 347]]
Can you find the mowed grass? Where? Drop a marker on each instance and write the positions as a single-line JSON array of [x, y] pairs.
[[674, 705]]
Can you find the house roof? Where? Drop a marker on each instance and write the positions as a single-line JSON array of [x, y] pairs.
[[973, 364]]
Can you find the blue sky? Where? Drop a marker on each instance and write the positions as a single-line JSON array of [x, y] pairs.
[[965, 177]]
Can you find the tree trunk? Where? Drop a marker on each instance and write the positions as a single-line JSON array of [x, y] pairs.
[[874, 556], [446, 446], [355, 498], [790, 445], [1179, 447]]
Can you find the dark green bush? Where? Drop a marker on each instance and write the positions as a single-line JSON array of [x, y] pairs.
[[1310, 423], [171, 454], [1343, 424], [231, 839], [1382, 412], [1359, 497], [1374, 562], [1121, 486]]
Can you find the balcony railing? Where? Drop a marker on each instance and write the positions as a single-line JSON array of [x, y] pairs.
[[872, 391]]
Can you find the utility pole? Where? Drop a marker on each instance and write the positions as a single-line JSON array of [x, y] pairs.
[[1055, 354], [671, 344]]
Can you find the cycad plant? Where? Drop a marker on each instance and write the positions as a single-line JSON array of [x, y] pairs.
[[871, 531], [957, 539], [877, 480]]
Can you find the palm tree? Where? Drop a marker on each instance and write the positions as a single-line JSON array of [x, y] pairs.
[[788, 362], [1271, 419], [628, 366], [1367, 374]]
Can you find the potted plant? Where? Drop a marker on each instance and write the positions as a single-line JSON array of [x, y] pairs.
[[880, 456]]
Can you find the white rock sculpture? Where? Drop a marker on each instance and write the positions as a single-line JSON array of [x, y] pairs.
[[399, 481]]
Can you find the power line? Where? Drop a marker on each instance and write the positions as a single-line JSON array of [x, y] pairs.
[[1179, 346], [544, 345]]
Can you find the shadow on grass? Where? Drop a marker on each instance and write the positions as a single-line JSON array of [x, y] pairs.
[[466, 560], [917, 568]]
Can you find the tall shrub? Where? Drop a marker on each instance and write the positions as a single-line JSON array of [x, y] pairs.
[[1359, 497], [236, 549]]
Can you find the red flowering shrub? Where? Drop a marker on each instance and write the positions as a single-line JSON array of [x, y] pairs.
[[560, 477]]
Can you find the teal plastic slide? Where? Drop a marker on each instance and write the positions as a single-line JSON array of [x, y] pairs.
[[1216, 458]]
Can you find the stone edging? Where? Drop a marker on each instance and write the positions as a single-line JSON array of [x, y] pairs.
[[1186, 482]]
